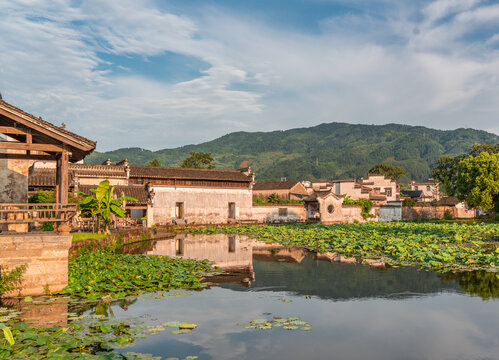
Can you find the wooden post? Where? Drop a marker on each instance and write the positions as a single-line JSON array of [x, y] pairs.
[[63, 178]]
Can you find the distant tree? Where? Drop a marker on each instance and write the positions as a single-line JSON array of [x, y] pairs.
[[274, 198], [154, 162], [198, 160], [392, 171], [477, 181]]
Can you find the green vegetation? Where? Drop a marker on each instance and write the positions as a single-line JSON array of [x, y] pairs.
[[198, 160], [88, 236], [290, 323], [441, 246], [391, 171], [86, 337], [409, 202], [274, 199], [472, 177], [366, 204], [154, 162], [92, 274], [327, 151], [103, 204], [10, 279]]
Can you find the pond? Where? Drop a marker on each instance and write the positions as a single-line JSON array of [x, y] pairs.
[[345, 311]]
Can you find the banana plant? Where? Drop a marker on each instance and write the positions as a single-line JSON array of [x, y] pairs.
[[102, 204]]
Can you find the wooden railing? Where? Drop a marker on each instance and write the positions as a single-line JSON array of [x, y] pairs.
[[39, 212]]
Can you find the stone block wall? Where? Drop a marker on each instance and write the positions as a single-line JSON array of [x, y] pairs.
[[46, 258], [270, 213], [435, 212]]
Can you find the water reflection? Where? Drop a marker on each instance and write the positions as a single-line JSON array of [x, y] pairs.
[[262, 266]]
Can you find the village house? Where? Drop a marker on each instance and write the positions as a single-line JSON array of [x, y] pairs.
[[376, 187], [201, 196], [286, 190], [430, 190], [165, 195]]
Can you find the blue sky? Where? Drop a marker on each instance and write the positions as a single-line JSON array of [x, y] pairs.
[[160, 74]]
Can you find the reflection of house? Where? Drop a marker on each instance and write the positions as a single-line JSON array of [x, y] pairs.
[[227, 252], [376, 187], [430, 190], [287, 190]]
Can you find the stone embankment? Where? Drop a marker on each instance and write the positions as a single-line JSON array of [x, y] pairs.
[[45, 256]]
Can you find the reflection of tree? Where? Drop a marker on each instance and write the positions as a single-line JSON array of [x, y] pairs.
[[340, 281], [477, 283]]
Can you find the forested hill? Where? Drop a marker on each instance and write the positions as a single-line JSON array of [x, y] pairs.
[[327, 151]]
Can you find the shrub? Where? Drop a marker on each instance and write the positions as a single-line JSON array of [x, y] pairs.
[[47, 226], [408, 202], [366, 204], [448, 215]]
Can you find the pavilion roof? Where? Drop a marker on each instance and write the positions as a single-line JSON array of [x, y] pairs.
[[44, 132]]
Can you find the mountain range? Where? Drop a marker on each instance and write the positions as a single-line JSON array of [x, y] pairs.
[[324, 152]]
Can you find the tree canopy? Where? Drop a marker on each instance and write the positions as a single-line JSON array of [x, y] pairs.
[[392, 171], [473, 178], [154, 162], [198, 160]]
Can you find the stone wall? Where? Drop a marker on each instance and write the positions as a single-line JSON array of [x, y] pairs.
[[46, 258], [278, 213], [200, 205], [435, 212]]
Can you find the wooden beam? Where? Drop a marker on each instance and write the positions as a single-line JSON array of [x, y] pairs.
[[23, 146], [27, 157], [63, 178], [53, 133], [11, 130]]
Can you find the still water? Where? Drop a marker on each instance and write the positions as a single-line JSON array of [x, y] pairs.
[[355, 311]]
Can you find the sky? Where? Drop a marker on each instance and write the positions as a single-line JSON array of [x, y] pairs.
[[161, 74]]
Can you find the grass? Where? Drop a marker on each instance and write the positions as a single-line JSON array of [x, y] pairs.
[[88, 236]]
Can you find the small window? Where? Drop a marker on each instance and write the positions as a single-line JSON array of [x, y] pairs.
[[427, 187], [283, 211], [330, 209], [232, 210], [179, 210], [416, 188], [388, 192], [232, 244]]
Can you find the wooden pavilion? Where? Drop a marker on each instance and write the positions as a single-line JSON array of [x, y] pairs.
[[28, 139]]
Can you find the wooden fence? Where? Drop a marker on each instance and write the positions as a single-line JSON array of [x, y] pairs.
[[30, 213]]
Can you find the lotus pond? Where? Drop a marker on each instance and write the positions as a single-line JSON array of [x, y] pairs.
[[272, 302]]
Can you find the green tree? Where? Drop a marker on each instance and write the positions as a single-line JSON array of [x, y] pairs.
[[391, 171], [43, 197], [477, 181], [446, 171], [198, 160], [274, 198], [154, 162], [103, 204]]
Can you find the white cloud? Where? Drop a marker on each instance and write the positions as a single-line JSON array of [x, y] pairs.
[[359, 68]]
